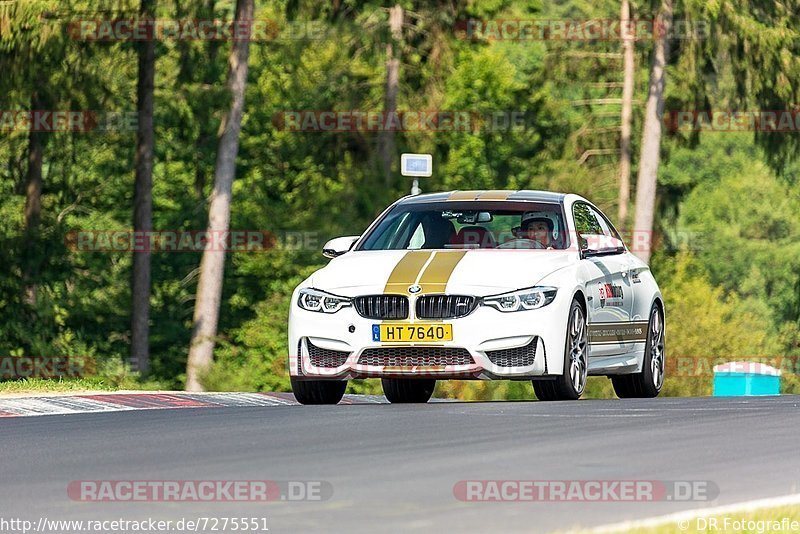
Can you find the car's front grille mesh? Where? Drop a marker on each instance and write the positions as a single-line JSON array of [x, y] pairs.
[[382, 306], [411, 356], [325, 357], [516, 357], [445, 306], [300, 357]]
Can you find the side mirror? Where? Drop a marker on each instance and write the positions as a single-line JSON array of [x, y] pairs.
[[593, 245], [339, 245]]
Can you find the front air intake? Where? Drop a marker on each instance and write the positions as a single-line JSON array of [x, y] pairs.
[[325, 357], [516, 357], [415, 356]]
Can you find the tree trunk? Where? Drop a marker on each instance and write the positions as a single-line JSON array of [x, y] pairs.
[[33, 207], [627, 116], [387, 145], [205, 136], [143, 200], [212, 266], [651, 140]]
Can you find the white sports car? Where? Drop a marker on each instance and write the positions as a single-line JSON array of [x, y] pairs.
[[517, 285]]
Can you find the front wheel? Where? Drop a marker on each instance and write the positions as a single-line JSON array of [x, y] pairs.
[[408, 390], [318, 391], [648, 382], [572, 381]]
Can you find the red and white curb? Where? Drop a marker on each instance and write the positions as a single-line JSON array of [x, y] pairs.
[[117, 402]]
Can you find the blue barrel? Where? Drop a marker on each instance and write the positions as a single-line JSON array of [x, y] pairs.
[[734, 379]]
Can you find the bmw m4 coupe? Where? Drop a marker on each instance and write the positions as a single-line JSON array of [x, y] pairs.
[[514, 285]]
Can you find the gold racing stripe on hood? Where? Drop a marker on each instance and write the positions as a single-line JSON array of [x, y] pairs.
[[406, 272], [435, 277], [494, 195], [464, 195], [430, 269]]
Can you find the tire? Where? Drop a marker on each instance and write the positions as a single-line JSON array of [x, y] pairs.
[[646, 384], [318, 391], [408, 390], [572, 381]]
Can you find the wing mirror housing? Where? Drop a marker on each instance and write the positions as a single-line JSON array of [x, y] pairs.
[[339, 245], [593, 245]]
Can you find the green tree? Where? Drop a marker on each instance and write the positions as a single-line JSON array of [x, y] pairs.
[[209, 286]]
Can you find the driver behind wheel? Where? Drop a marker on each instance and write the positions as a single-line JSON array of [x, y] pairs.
[[536, 228]]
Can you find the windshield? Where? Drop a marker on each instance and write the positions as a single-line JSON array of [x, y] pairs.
[[472, 224]]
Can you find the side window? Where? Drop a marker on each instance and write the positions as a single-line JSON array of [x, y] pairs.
[[417, 238], [586, 220], [395, 234], [605, 224]]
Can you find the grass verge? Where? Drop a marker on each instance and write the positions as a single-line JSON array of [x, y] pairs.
[[41, 385]]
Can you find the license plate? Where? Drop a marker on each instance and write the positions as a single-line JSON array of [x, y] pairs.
[[406, 333]]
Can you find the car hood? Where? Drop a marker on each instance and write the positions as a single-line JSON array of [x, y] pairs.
[[476, 272]]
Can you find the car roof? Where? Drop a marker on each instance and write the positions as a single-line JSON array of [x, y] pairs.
[[521, 194]]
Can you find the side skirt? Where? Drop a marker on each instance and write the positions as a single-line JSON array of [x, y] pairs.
[[620, 364]]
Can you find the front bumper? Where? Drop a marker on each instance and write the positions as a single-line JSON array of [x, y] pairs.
[[487, 344]]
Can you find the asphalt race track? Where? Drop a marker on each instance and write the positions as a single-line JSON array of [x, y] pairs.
[[393, 467]]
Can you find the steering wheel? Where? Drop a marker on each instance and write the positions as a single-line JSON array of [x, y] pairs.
[[523, 243]]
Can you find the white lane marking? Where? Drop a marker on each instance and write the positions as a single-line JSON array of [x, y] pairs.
[[243, 399], [61, 405], [56, 405], [688, 515], [367, 399]]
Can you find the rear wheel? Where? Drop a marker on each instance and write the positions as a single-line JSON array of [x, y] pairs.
[[648, 382], [572, 382], [318, 391], [408, 390]]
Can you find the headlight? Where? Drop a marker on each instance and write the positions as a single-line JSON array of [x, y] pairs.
[[319, 301], [522, 299]]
